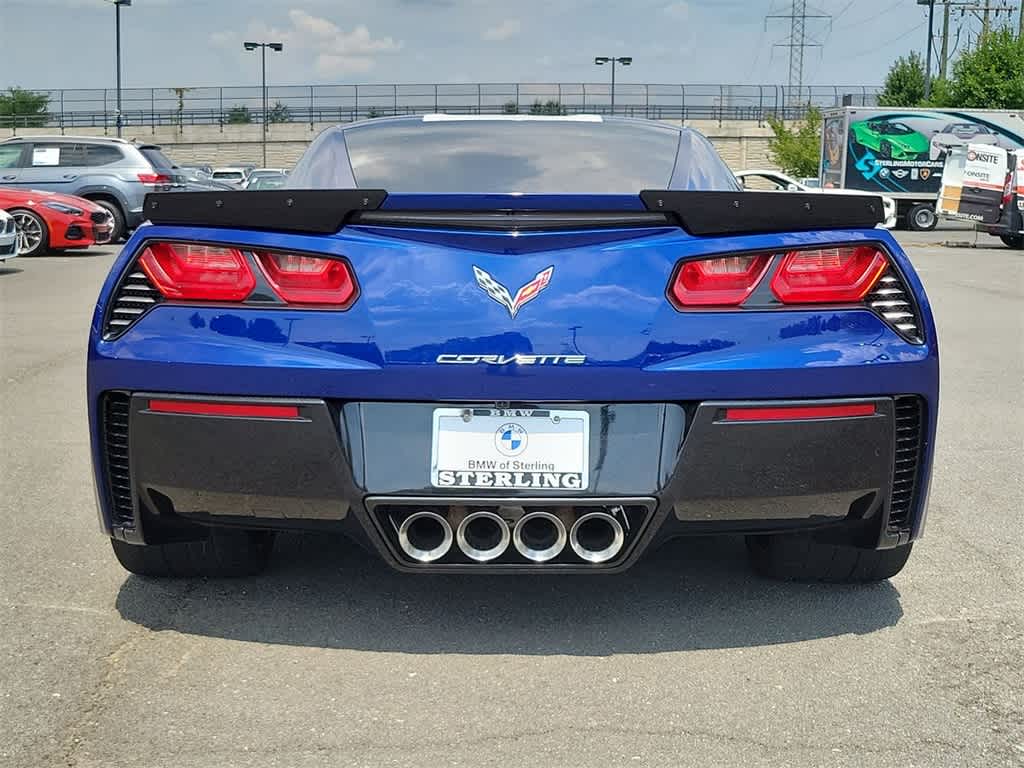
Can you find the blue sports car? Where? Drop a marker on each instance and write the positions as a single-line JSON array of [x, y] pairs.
[[513, 345]]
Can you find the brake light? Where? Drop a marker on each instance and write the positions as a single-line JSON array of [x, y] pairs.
[[727, 281], [301, 279], [203, 272], [828, 275], [154, 178]]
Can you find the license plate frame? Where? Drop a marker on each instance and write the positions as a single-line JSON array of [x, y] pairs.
[[550, 450]]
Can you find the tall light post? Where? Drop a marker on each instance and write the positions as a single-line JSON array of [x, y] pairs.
[[623, 60], [250, 46], [117, 56]]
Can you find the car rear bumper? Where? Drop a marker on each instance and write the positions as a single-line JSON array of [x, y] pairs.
[[670, 469]]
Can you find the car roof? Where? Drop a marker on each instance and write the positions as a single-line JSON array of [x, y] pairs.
[[66, 139]]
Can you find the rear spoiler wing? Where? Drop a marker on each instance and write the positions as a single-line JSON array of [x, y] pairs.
[[325, 211]]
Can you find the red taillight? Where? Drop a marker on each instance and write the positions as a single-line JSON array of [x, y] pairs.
[[154, 178], [203, 272], [300, 279], [828, 275], [723, 282]]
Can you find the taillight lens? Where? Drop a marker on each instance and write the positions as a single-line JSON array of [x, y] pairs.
[[723, 282], [154, 178], [828, 275], [301, 279], [200, 272]]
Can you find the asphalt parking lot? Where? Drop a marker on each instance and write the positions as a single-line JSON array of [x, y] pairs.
[[331, 659]]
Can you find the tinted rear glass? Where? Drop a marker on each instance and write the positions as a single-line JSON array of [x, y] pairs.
[[536, 157], [156, 158]]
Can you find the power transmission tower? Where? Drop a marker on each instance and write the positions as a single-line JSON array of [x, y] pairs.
[[798, 41]]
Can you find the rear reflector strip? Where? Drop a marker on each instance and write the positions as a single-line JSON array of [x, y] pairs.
[[798, 412], [243, 410]]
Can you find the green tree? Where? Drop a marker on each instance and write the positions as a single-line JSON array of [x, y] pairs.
[[988, 76], [551, 107], [796, 149], [279, 113], [239, 115], [23, 109], [904, 85], [510, 108]]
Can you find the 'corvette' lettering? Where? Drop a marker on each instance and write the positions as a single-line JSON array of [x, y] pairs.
[[511, 359]]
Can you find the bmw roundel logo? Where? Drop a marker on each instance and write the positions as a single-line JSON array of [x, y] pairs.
[[510, 439]]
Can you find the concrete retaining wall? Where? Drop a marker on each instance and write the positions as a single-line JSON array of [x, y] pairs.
[[742, 144]]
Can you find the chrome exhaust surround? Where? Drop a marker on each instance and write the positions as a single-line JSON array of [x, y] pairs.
[[544, 542], [483, 536], [415, 536], [597, 537]]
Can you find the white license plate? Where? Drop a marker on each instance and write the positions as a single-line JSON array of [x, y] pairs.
[[510, 448]]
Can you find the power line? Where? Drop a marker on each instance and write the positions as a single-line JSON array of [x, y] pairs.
[[798, 41], [888, 42]]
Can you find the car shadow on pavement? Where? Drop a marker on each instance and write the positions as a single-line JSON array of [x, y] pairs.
[[691, 594]]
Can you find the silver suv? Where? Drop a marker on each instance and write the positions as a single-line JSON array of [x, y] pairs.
[[113, 173]]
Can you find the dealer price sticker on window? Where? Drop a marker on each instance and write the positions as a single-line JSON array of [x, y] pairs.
[[514, 448]]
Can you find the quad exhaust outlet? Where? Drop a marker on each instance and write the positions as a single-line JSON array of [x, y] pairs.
[[597, 537], [483, 536], [425, 536], [539, 536]]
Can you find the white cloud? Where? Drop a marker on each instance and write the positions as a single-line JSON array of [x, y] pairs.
[[678, 10], [334, 50], [507, 29]]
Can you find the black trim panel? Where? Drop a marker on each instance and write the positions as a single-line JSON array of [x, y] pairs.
[[512, 220], [316, 211], [740, 213]]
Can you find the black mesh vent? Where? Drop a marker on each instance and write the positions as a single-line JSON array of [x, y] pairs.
[[115, 448], [909, 430], [892, 300], [133, 298], [98, 217]]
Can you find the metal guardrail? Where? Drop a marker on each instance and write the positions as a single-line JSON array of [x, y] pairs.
[[95, 108]]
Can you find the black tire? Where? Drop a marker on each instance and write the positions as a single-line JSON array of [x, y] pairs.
[[116, 213], [36, 243], [922, 218], [799, 557], [1013, 241], [226, 552]]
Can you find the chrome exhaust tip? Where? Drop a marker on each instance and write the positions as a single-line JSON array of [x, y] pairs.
[[539, 536], [425, 536], [482, 536], [596, 537]]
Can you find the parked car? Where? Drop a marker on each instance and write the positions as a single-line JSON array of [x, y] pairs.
[[8, 237], [113, 173], [524, 390], [51, 221], [891, 140], [266, 182], [233, 176], [960, 135], [204, 169], [264, 173], [198, 181], [762, 180]]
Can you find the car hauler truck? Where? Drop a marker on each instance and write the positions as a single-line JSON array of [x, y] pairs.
[[901, 152]]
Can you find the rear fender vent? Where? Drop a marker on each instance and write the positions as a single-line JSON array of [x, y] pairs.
[[115, 455], [891, 299], [907, 462], [133, 298]]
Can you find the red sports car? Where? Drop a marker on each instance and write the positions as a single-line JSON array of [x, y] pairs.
[[51, 221]]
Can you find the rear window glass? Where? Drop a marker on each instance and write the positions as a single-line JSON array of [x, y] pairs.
[[102, 154], [227, 174], [156, 158], [535, 157]]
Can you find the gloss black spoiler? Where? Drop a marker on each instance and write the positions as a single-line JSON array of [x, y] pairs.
[[325, 211]]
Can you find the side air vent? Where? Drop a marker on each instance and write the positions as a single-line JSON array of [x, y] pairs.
[[909, 430], [132, 299], [891, 299], [115, 448]]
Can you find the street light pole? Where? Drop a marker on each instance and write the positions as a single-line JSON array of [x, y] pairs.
[[623, 60], [119, 121], [252, 46]]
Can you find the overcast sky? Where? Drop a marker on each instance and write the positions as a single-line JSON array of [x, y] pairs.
[[168, 43]]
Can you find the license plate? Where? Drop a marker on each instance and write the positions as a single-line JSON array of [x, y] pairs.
[[510, 448]]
